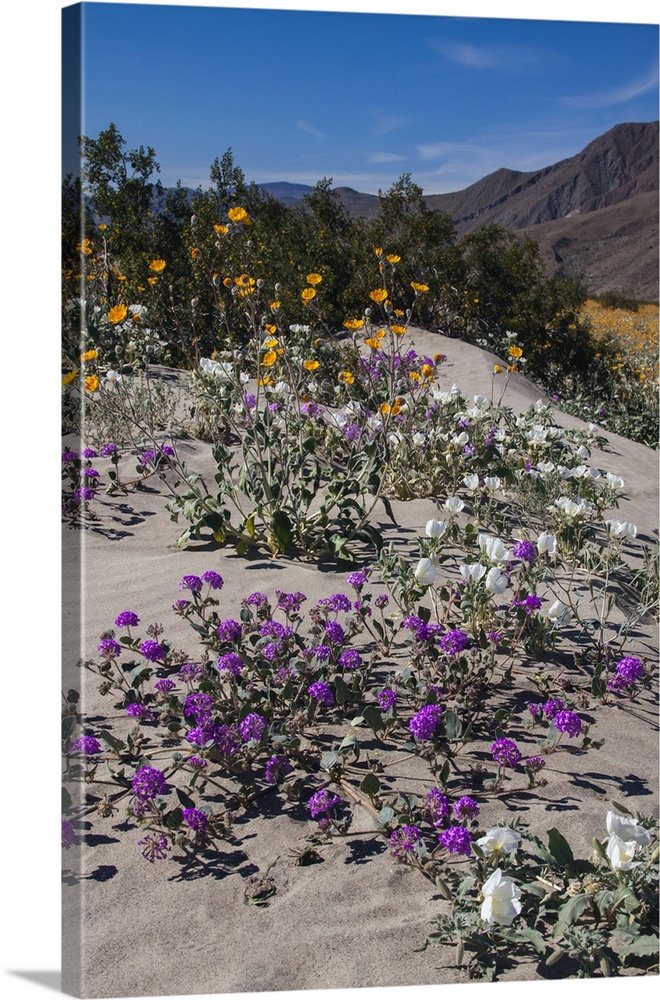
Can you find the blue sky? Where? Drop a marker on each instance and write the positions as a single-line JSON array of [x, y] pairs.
[[360, 97]]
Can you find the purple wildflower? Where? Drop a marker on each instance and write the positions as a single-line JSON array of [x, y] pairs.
[[152, 650], [229, 630], [531, 603], [195, 819], [350, 659], [506, 753], [494, 637], [90, 453], [322, 653], [250, 400], [109, 449], [357, 580], [386, 699], [405, 841], [167, 450], [231, 662], [148, 782], [68, 834], [382, 601], [524, 550], [83, 494], [109, 649], [137, 711], [69, 456], [88, 745], [252, 727], [534, 764], [275, 629], [569, 723], [277, 766], [436, 806], [322, 693], [465, 809], [165, 685], [126, 618], [198, 706], [425, 722], [190, 672], [551, 707], [334, 632], [289, 602], [257, 599], [192, 583], [271, 650], [336, 602], [453, 642], [90, 474], [629, 670], [197, 763], [351, 431], [456, 840], [147, 457], [322, 802], [213, 579]]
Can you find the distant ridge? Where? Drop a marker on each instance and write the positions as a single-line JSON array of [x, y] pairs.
[[594, 215]]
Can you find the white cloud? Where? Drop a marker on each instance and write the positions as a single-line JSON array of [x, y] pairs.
[[486, 57], [384, 123], [617, 95], [310, 129], [386, 158]]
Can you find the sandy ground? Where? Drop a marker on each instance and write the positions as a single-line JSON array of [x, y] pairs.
[[357, 918]]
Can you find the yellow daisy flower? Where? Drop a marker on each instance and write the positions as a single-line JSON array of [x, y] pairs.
[[89, 355], [311, 365], [347, 377], [378, 295], [314, 278], [269, 359], [69, 377], [353, 324], [157, 265], [238, 215], [308, 294], [117, 313], [92, 383]]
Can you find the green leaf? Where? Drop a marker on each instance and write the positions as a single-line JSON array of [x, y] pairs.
[[370, 784], [342, 691], [116, 744], [571, 911], [559, 847], [67, 802], [385, 816], [184, 799], [328, 760], [282, 529], [373, 718], [620, 809], [647, 944], [453, 725]]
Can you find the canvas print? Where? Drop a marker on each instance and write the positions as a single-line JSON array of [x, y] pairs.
[[359, 500]]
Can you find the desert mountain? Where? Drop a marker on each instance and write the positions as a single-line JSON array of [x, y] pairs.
[[594, 214]]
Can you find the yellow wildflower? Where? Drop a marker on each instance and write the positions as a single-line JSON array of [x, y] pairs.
[[311, 365], [221, 229], [152, 281], [393, 258], [308, 294], [378, 295], [380, 334], [274, 306], [69, 377], [314, 278], [269, 359], [428, 370], [89, 355], [102, 225], [347, 377], [515, 352], [398, 312], [85, 247], [263, 381], [400, 330], [270, 328], [157, 265], [418, 287], [117, 313], [353, 324], [239, 215], [372, 342], [415, 377], [271, 342], [194, 253], [92, 383], [497, 369], [384, 407], [378, 251]]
